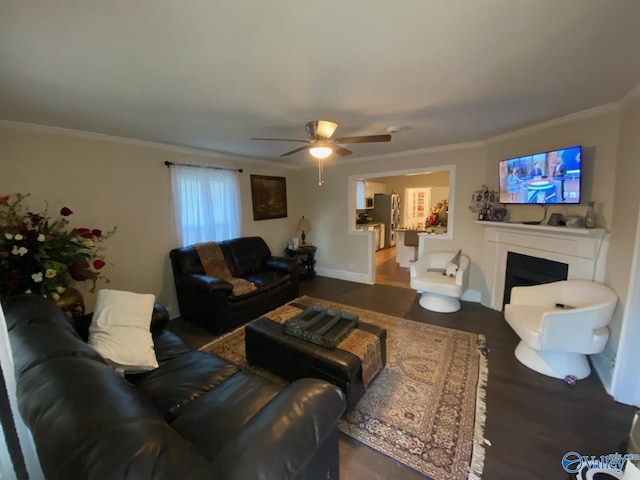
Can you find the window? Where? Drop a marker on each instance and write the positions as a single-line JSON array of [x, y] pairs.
[[206, 203]]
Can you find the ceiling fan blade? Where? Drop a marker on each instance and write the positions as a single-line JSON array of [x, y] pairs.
[[294, 151], [343, 152], [365, 139], [282, 140]]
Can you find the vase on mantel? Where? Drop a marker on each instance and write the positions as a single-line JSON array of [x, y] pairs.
[[590, 217]]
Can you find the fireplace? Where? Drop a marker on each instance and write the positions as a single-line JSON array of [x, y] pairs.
[[524, 270], [581, 250]]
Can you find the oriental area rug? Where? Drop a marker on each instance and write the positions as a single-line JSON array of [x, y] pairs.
[[426, 409]]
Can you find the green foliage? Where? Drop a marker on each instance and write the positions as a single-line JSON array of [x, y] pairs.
[[43, 255]]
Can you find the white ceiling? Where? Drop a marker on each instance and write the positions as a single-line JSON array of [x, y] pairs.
[[213, 74]]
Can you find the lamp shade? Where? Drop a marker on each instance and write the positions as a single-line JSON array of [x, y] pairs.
[[303, 224], [325, 129]]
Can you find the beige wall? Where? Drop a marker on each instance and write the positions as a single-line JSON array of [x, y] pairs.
[[341, 251], [598, 136], [128, 186], [624, 228], [437, 181]]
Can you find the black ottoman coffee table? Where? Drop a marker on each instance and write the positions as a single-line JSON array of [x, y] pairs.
[[268, 347]]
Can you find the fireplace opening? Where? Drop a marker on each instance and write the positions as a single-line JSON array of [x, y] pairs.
[[524, 270]]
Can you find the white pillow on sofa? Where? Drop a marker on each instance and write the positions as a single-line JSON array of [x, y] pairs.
[[119, 330]]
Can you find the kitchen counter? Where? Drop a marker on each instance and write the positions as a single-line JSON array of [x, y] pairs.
[[377, 229], [367, 226], [404, 254]]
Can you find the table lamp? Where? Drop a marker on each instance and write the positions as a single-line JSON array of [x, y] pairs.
[[303, 225]]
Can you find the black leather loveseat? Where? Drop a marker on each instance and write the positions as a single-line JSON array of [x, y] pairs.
[[194, 417], [208, 301]]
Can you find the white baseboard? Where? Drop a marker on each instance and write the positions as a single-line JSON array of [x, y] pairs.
[[344, 275], [604, 369], [468, 296]]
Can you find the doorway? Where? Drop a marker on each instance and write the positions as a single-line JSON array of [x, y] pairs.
[[388, 271], [440, 181]]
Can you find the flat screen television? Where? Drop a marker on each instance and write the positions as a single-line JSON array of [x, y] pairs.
[[542, 178]]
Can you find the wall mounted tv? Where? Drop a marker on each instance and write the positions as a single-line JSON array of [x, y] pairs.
[[542, 178]]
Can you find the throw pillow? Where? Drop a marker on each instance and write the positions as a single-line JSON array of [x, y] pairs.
[[453, 265], [456, 258], [119, 330], [451, 269]]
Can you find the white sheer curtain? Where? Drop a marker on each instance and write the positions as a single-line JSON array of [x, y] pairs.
[[206, 203], [14, 468]]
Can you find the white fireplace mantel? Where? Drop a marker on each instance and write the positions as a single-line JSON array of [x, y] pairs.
[[582, 249]]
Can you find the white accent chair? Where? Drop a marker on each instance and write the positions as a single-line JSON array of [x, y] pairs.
[[440, 293], [559, 324]]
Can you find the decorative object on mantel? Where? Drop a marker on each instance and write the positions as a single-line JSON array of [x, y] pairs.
[[42, 255], [498, 214], [483, 201], [590, 217]]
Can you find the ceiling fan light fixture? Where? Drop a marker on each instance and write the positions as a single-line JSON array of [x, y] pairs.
[[320, 152], [325, 129]]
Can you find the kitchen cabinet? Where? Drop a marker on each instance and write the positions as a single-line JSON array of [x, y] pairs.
[[361, 195], [371, 188], [366, 190]]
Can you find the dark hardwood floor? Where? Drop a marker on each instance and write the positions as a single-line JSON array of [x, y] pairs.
[[532, 420]]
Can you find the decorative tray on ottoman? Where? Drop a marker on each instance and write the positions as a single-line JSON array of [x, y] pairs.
[[321, 325]]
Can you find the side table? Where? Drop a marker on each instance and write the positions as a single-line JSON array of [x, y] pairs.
[[306, 259]]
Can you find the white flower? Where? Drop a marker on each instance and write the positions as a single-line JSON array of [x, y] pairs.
[[8, 236], [60, 289], [37, 277], [19, 251], [87, 242], [18, 237], [55, 296], [41, 237], [50, 273]]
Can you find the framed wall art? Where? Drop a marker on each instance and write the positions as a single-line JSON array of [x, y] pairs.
[[269, 196], [498, 214]]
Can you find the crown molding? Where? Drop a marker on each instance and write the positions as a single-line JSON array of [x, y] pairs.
[[582, 115], [630, 95], [406, 153], [168, 147], [573, 117]]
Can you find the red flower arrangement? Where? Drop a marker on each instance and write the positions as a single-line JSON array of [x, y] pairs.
[[439, 214], [41, 255]]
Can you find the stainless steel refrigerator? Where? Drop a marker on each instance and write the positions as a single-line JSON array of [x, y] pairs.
[[386, 209]]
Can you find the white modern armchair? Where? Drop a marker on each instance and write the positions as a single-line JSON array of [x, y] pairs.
[[440, 293], [559, 324]]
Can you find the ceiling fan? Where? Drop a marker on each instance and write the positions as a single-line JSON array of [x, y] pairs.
[[321, 144]]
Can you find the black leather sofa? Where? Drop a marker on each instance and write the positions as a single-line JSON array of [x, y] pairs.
[[194, 417], [208, 301]]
